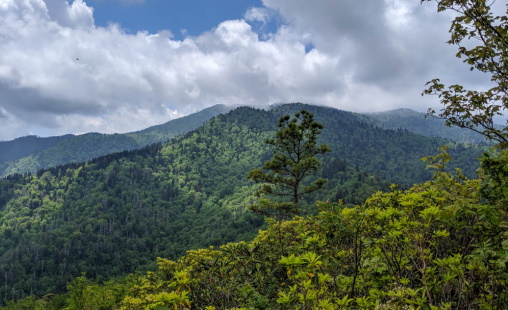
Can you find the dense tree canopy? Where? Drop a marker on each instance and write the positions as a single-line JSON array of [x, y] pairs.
[[29, 154], [438, 245], [441, 244], [115, 214]]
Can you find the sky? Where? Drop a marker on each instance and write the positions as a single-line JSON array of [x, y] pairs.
[[115, 66]]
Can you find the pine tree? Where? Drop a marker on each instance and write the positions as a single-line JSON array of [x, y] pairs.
[[286, 175]]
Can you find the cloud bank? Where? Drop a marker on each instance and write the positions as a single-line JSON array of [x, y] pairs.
[[60, 73]]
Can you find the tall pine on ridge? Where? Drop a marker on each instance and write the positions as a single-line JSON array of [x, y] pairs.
[[285, 175]]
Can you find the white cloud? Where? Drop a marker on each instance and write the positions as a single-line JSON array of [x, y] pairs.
[[257, 15], [61, 72], [388, 49], [76, 15]]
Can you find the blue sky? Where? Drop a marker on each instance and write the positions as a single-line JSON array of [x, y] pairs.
[[143, 63], [178, 16]]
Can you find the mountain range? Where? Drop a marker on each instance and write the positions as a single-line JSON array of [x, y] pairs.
[[116, 213], [31, 153], [426, 125]]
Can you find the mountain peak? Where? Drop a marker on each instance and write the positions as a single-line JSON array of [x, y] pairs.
[[397, 112]]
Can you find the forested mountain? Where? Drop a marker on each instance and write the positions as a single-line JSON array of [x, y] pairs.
[[29, 154], [24, 146], [438, 245], [427, 126], [115, 214], [394, 155]]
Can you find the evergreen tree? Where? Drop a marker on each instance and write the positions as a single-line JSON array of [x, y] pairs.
[[285, 175]]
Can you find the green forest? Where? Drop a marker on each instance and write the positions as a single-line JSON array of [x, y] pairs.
[[295, 207], [115, 214], [438, 244], [29, 154]]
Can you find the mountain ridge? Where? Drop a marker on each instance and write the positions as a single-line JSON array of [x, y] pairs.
[[429, 126], [114, 214], [30, 153], [79, 148]]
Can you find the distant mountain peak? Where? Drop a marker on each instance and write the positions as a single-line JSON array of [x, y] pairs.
[[399, 111], [416, 122]]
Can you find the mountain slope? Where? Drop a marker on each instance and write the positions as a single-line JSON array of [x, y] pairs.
[[24, 146], [50, 152], [427, 126], [113, 215], [392, 154]]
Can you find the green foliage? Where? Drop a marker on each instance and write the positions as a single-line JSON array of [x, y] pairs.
[[438, 245], [469, 108], [115, 214], [85, 295], [286, 174], [494, 172], [29, 154], [393, 155]]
